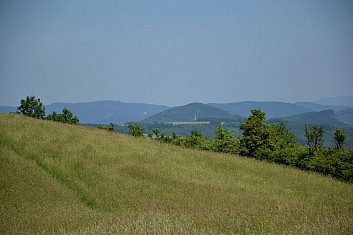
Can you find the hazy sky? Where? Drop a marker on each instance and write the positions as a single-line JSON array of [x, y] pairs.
[[175, 52]]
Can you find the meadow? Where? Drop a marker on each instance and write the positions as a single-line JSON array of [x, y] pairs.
[[65, 179]]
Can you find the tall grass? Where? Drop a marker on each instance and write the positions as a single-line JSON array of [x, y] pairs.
[[58, 178]]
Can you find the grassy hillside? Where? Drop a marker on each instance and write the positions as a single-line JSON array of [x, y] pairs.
[[57, 178], [187, 113]]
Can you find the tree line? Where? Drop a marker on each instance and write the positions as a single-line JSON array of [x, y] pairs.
[[34, 108], [272, 143]]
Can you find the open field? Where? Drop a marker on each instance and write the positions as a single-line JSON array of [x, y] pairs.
[[58, 178]]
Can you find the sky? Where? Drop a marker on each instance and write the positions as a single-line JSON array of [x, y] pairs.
[[175, 52]]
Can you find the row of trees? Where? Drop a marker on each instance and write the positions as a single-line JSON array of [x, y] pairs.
[[273, 143], [34, 108]]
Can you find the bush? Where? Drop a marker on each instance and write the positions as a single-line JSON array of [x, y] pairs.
[[66, 117], [135, 130], [225, 141]]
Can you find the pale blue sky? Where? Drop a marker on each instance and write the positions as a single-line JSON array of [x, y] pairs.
[[175, 52]]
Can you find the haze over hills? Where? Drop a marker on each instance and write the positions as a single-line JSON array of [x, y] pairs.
[[326, 117], [105, 112], [321, 107], [337, 101], [109, 111], [272, 109], [188, 113], [346, 116], [102, 111]]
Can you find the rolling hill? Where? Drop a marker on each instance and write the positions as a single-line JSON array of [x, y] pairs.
[[326, 117], [103, 112], [346, 116], [58, 178], [272, 109], [188, 113], [339, 100], [319, 107]]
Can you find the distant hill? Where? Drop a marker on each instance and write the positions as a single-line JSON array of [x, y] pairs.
[[326, 117], [272, 109], [108, 111], [103, 111], [346, 116], [339, 101], [8, 109], [320, 107], [187, 113]]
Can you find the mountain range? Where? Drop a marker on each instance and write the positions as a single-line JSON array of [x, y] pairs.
[[104, 112]]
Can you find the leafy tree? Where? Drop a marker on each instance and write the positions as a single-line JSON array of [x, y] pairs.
[[256, 132], [32, 107], [195, 138], [156, 132], [66, 117], [281, 137], [111, 127], [54, 117], [225, 141], [135, 130], [314, 136], [195, 133], [340, 139], [174, 136]]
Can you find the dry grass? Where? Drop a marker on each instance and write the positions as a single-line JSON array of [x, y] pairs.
[[58, 178]]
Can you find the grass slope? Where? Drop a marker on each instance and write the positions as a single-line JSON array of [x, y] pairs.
[[58, 178]]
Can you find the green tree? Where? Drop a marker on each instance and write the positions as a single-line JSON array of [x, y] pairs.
[[340, 139], [225, 141], [156, 132], [32, 107], [256, 133], [111, 127], [281, 137], [135, 130], [314, 136], [195, 133], [66, 117]]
